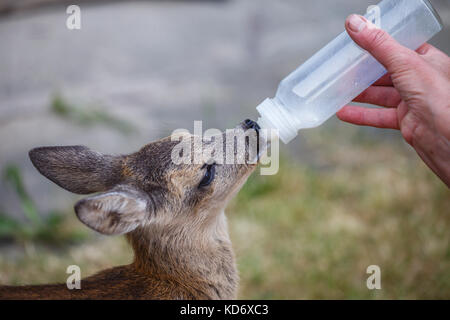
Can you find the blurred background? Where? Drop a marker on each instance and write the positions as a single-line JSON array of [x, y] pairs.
[[344, 198]]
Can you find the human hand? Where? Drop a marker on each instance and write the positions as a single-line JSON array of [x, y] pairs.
[[415, 94]]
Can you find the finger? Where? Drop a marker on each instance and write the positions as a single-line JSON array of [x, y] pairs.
[[380, 96], [384, 81], [427, 48], [438, 59], [393, 56], [378, 118], [423, 49]]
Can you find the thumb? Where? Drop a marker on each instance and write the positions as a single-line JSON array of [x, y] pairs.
[[393, 56]]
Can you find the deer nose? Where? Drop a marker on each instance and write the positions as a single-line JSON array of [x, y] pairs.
[[250, 124]]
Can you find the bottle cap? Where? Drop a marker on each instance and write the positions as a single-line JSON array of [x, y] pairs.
[[274, 116]]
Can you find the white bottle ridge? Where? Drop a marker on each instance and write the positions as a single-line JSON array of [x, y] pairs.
[[340, 71]]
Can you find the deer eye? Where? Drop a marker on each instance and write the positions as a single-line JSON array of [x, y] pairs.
[[209, 175]]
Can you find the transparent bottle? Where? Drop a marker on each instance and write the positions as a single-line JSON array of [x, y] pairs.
[[340, 71]]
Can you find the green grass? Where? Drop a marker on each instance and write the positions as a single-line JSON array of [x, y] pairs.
[[88, 117], [310, 231], [36, 263], [311, 234], [48, 227]]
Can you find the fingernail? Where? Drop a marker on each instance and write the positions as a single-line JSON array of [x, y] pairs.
[[356, 23]]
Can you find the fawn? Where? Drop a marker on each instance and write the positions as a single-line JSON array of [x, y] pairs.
[[172, 215]]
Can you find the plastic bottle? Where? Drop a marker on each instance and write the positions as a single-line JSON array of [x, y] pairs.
[[340, 71]]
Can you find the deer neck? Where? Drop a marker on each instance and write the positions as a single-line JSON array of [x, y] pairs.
[[197, 255]]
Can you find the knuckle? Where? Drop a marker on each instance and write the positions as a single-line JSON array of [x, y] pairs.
[[381, 40], [406, 58], [377, 38]]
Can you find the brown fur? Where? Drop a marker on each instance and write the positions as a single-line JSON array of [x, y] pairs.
[[178, 230]]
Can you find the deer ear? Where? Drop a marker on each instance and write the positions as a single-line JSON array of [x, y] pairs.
[[114, 212], [77, 168]]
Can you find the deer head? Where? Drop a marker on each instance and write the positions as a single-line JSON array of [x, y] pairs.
[[146, 187]]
